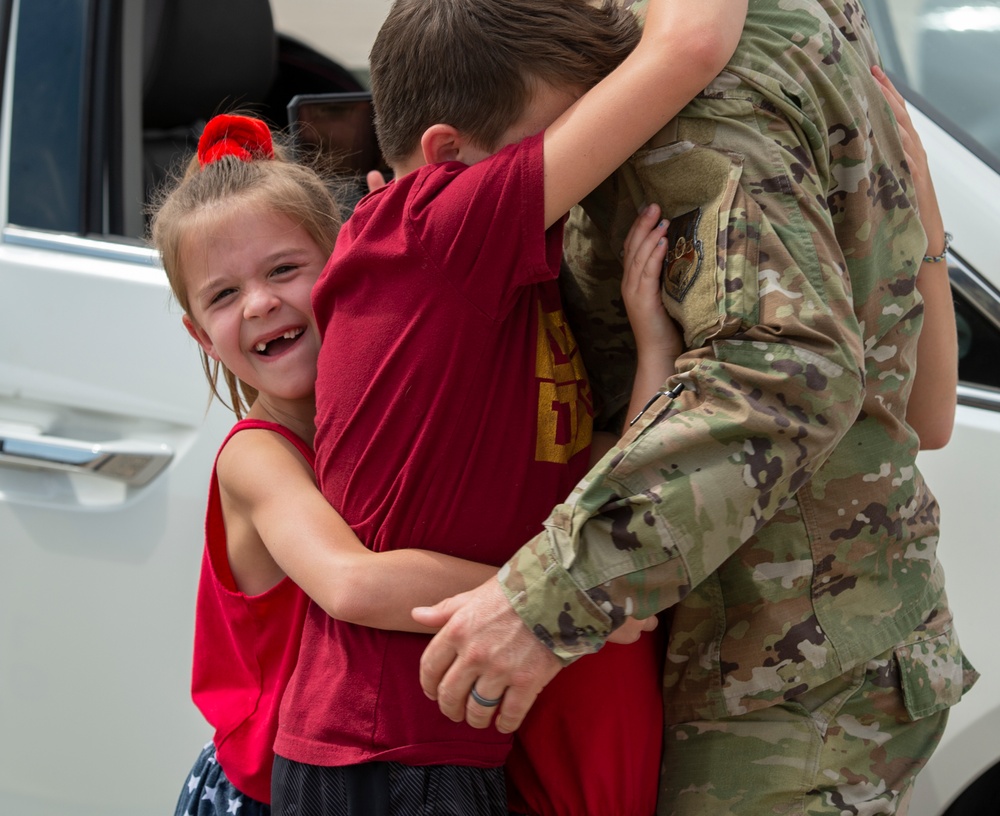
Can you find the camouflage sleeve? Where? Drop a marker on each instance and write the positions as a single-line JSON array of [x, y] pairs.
[[660, 512], [773, 379]]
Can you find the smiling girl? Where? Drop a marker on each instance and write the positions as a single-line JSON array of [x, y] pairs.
[[243, 236]]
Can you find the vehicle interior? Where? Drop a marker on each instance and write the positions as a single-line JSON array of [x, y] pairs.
[[156, 72], [222, 66]]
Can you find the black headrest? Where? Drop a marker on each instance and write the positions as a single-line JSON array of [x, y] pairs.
[[204, 57]]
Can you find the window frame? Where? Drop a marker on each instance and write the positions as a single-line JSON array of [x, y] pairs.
[[106, 193], [985, 300], [6, 15]]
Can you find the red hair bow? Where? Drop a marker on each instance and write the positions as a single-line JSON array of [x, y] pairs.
[[240, 136]]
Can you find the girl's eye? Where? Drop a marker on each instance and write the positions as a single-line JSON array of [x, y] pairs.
[[220, 295], [284, 269]]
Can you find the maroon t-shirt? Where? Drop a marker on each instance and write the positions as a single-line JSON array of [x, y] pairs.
[[453, 413]]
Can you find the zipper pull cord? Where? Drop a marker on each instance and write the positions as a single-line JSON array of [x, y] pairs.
[[673, 394]]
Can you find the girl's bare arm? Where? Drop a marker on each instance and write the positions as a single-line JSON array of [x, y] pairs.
[[272, 504]]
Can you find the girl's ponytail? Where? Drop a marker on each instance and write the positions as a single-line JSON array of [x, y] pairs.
[[240, 136]]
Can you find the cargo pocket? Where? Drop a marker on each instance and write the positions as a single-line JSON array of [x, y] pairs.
[[709, 282], [934, 674]]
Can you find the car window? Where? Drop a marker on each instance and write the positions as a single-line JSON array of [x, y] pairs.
[[945, 52], [342, 31], [47, 116], [977, 313], [96, 131]]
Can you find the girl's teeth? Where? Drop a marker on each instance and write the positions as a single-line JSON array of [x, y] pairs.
[[291, 334]]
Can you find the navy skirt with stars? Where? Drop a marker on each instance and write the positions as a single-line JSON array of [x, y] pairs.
[[207, 792]]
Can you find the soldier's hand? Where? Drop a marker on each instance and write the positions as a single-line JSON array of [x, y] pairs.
[[482, 643]]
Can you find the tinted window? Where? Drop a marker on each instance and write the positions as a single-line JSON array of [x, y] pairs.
[[946, 52], [6, 8], [46, 133], [977, 313]]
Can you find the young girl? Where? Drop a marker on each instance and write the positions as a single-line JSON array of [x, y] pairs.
[[243, 236]]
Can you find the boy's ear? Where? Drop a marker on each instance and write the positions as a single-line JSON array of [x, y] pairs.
[[198, 333], [441, 143]]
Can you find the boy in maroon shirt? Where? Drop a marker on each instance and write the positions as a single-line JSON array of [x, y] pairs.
[[453, 411]]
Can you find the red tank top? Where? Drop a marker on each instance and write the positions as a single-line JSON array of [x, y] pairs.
[[245, 648]]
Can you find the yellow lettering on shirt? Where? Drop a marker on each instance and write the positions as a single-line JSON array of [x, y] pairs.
[[565, 406]]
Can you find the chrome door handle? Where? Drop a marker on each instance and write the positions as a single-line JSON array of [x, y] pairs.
[[135, 463]]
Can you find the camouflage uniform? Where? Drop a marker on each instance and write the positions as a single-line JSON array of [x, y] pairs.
[[775, 504]]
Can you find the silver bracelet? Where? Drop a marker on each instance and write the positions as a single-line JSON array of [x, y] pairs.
[[944, 252]]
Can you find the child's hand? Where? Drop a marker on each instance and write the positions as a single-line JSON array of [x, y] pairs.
[[375, 180], [645, 248], [916, 160], [631, 630]]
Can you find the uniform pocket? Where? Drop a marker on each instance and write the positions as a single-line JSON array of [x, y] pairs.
[[709, 283], [934, 673]]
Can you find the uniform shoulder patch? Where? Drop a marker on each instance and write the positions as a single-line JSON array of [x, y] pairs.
[[684, 255]]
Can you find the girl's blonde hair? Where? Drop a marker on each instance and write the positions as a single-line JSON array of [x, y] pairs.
[[279, 184]]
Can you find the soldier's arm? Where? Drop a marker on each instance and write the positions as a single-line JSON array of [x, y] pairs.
[[770, 389], [699, 476]]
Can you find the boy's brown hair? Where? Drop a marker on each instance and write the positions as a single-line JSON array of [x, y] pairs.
[[471, 64]]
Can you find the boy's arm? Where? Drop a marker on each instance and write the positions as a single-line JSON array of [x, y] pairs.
[[931, 407], [684, 45], [266, 481]]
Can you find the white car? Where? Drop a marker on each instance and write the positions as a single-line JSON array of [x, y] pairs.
[[106, 441]]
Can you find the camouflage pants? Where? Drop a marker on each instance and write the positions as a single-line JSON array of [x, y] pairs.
[[846, 747]]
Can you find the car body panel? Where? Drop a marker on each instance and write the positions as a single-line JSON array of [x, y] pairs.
[[966, 489], [98, 578]]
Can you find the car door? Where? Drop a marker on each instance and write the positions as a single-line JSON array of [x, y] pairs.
[[105, 442], [106, 435]]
